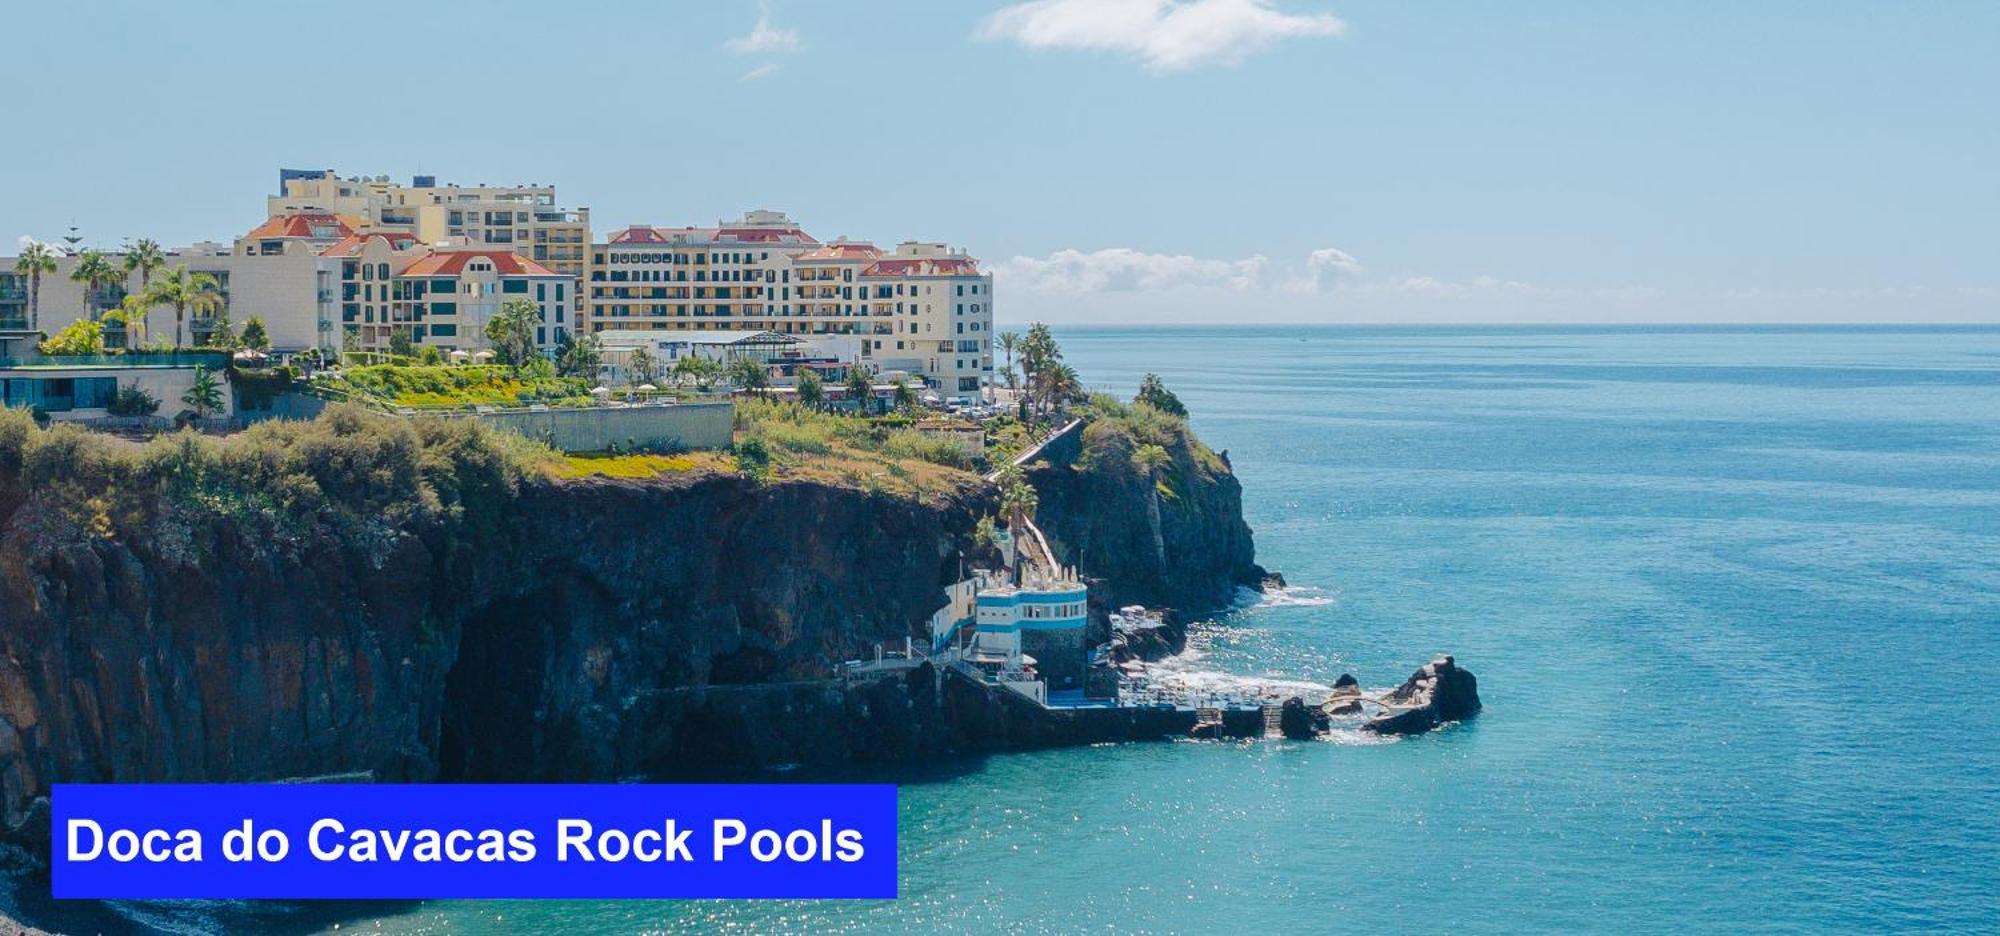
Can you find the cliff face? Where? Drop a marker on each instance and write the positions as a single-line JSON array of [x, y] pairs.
[[1174, 538], [267, 611], [576, 633]]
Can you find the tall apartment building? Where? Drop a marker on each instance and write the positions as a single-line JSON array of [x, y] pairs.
[[524, 219], [924, 308]]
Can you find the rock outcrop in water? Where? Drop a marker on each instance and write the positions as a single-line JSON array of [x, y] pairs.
[[1301, 722], [1178, 543], [1437, 693]]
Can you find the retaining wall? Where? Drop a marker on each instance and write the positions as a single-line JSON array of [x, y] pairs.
[[598, 428]]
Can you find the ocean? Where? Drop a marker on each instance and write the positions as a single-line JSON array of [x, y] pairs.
[[1732, 596]]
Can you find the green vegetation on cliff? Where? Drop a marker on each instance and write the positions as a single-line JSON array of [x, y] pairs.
[[876, 452], [346, 472], [1151, 514], [453, 385]]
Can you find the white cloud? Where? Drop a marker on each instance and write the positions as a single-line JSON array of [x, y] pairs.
[[1164, 35], [1125, 286], [763, 71], [1333, 260], [1327, 265], [1123, 269], [764, 37]]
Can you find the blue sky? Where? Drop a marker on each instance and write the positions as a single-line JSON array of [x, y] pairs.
[[1112, 160]]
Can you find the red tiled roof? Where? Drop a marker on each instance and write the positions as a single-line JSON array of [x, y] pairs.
[[638, 235], [301, 224], [843, 250], [767, 235], [698, 237], [352, 244], [924, 266], [452, 263]]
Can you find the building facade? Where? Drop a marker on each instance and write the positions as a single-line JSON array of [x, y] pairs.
[[924, 309], [386, 285], [523, 219], [280, 288], [1039, 625]]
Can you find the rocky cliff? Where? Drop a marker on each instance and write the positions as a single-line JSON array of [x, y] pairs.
[[1169, 537], [360, 596]]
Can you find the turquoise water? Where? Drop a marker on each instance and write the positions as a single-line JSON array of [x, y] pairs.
[[1732, 596]]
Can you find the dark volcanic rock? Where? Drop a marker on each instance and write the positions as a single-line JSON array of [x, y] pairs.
[[582, 630], [585, 630], [1097, 510], [1345, 699], [1301, 722], [1438, 692]]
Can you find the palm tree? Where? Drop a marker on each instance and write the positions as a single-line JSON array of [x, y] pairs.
[[1008, 342], [1054, 386], [94, 271], [860, 389], [812, 391], [205, 396], [132, 311], [36, 259], [749, 375], [1039, 356], [697, 370], [644, 367], [1152, 461], [144, 257], [904, 397], [1018, 501], [184, 290]]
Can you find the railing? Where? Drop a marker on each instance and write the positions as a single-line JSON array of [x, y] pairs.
[[211, 359]]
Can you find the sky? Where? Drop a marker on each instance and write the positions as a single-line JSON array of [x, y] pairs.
[[1116, 161]]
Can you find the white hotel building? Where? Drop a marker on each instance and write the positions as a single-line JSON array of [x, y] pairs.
[[923, 308]]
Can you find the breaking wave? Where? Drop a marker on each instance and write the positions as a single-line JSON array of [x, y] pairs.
[[1290, 596]]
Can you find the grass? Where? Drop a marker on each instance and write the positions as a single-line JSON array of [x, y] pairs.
[[874, 453], [350, 472], [456, 385], [638, 465]]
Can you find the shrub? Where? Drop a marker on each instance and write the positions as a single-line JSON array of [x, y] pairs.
[[79, 337], [131, 400], [753, 455], [909, 443]]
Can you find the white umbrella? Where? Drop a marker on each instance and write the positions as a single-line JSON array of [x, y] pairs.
[[484, 355], [458, 355], [647, 386], [599, 391]]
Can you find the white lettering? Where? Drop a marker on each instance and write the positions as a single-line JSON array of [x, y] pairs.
[[728, 832], [96, 839], [236, 843], [312, 840], [849, 842], [573, 833]]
